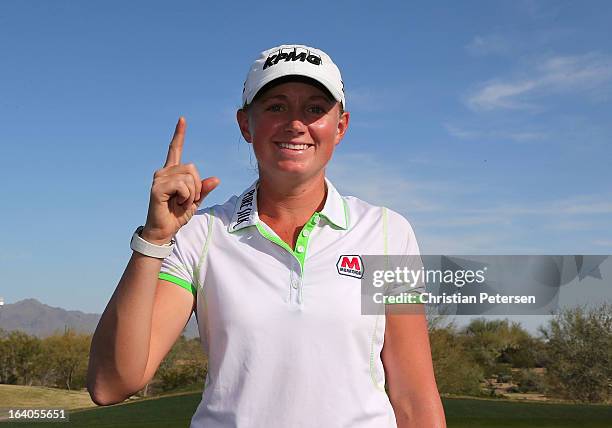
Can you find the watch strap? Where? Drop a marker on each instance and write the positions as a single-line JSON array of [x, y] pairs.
[[146, 248]]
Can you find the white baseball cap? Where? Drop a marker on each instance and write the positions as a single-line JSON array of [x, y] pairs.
[[293, 60]]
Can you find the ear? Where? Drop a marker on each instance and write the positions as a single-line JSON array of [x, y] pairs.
[[243, 122], [342, 126]]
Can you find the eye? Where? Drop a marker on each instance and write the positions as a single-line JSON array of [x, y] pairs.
[[316, 109], [275, 107]]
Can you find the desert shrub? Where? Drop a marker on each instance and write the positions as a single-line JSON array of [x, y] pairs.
[[579, 353], [455, 371], [529, 381]]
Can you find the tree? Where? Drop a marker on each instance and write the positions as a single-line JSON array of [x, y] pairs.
[[17, 358], [579, 353], [7, 373], [455, 371], [68, 354], [184, 365], [489, 340], [525, 353]]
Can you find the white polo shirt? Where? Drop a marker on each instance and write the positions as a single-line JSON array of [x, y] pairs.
[[286, 342]]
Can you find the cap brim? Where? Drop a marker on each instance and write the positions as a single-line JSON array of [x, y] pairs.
[[270, 78]]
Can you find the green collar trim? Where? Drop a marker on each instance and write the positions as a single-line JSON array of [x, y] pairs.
[[301, 244]]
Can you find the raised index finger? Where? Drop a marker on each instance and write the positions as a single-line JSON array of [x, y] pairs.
[[176, 145]]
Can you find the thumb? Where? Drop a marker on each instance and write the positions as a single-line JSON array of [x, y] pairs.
[[208, 185]]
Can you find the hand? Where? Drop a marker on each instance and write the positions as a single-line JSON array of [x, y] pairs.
[[176, 193]]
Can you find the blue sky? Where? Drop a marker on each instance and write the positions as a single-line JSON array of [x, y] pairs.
[[486, 124]]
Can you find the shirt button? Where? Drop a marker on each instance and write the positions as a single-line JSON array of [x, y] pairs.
[[316, 219], [300, 249], [294, 284], [306, 232]]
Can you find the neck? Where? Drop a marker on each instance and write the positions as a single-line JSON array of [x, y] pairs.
[[290, 202]]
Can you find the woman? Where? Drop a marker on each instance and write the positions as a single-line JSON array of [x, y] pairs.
[[273, 276]]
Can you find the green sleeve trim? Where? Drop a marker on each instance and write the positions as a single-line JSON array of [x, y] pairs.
[[178, 281]]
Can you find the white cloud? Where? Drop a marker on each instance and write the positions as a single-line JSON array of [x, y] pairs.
[[376, 99], [540, 10], [366, 99], [466, 243], [15, 255], [603, 243], [459, 219], [386, 182], [517, 136], [572, 226], [517, 42], [577, 74], [583, 205], [377, 182], [489, 44], [497, 94], [458, 216]]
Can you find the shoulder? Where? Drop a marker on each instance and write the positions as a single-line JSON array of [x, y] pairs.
[[402, 237], [218, 213], [398, 229], [362, 211], [398, 223], [205, 219]]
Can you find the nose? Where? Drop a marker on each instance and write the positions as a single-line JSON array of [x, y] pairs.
[[295, 123]]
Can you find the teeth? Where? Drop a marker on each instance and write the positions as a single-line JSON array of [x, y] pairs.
[[294, 146]]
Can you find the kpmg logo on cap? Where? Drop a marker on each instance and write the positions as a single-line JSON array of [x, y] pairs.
[[292, 54]]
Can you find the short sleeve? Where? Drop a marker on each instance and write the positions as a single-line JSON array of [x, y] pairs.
[[182, 266]]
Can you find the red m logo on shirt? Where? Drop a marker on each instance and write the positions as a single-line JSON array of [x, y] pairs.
[[350, 265]]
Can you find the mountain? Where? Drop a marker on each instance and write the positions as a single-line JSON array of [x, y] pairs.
[[38, 319]]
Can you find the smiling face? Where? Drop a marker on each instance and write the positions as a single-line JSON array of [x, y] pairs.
[[294, 128]]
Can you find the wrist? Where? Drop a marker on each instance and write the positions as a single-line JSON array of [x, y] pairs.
[[148, 248], [154, 238]]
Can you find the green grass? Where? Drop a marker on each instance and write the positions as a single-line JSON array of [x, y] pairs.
[[463, 412], [177, 410], [168, 411], [40, 396]]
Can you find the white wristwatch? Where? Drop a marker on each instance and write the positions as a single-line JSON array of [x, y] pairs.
[[144, 247]]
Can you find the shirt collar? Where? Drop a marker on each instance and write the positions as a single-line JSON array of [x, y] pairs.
[[245, 212], [335, 209]]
